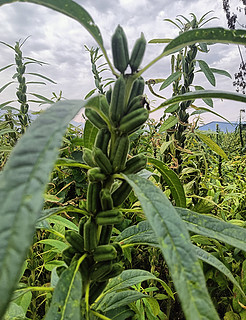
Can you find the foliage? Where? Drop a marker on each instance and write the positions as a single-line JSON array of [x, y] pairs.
[[92, 226]]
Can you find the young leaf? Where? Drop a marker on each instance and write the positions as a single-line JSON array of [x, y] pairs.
[[22, 185], [172, 181], [169, 123], [213, 146], [66, 299], [207, 71], [221, 72], [174, 76], [177, 249]]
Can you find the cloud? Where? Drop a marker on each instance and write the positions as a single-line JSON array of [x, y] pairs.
[[59, 41]]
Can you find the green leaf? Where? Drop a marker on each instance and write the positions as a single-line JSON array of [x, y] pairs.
[[4, 131], [172, 181], [170, 122], [64, 162], [201, 94], [6, 67], [212, 145], [121, 313], [208, 101], [22, 183], [5, 86], [172, 108], [202, 110], [90, 133], [221, 72], [160, 40], [128, 278], [177, 249], [207, 72], [207, 35], [67, 296], [41, 76], [212, 227], [44, 99], [137, 234], [213, 261], [174, 76], [54, 243], [55, 219], [115, 300]]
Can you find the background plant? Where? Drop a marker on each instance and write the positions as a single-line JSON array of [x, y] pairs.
[[162, 216]]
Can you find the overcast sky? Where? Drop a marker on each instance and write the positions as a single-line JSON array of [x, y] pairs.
[[59, 41]]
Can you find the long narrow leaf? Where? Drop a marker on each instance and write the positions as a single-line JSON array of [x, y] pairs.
[[207, 71], [177, 249], [22, 184], [214, 228], [207, 35], [172, 181], [201, 94], [212, 145], [66, 299]]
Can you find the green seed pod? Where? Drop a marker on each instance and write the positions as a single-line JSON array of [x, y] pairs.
[[95, 118], [104, 253], [135, 164], [109, 95], [102, 160], [133, 120], [106, 199], [121, 193], [75, 240], [81, 225], [109, 217], [105, 235], [116, 108], [120, 49], [137, 53], [136, 103], [88, 158], [104, 105], [137, 88], [90, 235], [102, 140], [119, 153], [96, 174], [93, 193]]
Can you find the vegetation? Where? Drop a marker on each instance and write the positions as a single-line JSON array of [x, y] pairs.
[[129, 218]]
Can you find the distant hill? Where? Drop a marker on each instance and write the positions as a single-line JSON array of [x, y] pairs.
[[223, 126]]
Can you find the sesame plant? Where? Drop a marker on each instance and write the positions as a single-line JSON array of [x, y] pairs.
[[92, 283]]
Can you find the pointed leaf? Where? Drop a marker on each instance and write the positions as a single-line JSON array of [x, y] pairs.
[[207, 72], [209, 35], [204, 94], [169, 123], [160, 40], [6, 67], [138, 234], [5, 86], [212, 227], [174, 76], [41, 76], [213, 146], [22, 184], [128, 278], [202, 109], [172, 108], [67, 296], [64, 162], [115, 300], [46, 100], [208, 101], [172, 181], [177, 249], [213, 261], [221, 72]]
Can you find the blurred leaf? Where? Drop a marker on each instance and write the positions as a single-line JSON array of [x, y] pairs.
[[212, 145]]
